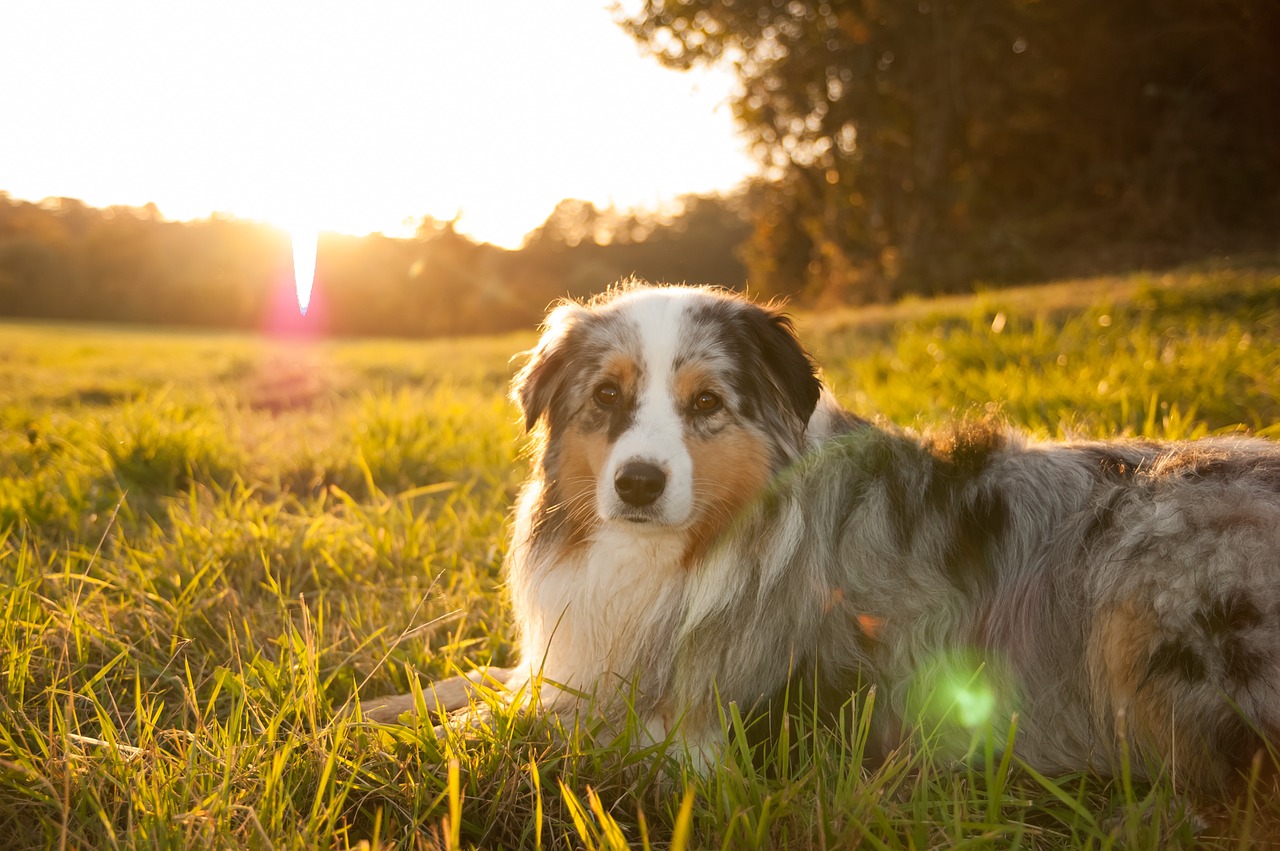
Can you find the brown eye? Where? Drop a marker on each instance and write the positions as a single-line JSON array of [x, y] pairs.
[[706, 402], [607, 394]]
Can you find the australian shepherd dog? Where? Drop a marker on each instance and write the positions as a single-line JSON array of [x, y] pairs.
[[703, 520]]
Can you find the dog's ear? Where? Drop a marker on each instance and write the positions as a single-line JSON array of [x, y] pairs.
[[788, 368], [541, 379]]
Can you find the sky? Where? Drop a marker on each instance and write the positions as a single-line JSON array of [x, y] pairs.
[[353, 116]]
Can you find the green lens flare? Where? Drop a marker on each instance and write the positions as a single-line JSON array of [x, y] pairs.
[[975, 702]]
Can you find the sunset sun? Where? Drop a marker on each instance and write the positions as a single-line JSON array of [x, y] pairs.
[[371, 120]]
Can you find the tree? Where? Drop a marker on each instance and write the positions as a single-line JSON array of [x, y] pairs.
[[916, 145]]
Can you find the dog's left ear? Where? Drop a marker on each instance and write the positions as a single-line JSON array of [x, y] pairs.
[[541, 380], [788, 367]]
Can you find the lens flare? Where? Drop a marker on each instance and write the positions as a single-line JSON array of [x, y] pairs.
[[960, 688], [304, 241], [975, 703]]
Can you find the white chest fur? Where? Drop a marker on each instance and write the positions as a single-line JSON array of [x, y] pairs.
[[590, 616]]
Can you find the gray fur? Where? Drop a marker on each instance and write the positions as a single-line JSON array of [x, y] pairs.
[[1174, 547]]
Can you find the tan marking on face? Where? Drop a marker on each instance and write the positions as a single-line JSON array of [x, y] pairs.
[[691, 380], [622, 369], [730, 469], [582, 457]]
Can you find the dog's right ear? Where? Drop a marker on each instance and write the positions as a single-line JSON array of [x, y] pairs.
[[542, 378]]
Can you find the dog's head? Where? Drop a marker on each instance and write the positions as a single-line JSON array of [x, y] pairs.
[[665, 407]]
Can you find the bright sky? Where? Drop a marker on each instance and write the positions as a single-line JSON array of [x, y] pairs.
[[352, 116]]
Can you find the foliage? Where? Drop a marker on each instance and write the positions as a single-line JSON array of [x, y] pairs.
[[920, 146], [210, 543], [698, 242]]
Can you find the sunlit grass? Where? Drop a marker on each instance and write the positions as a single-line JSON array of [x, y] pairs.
[[208, 543]]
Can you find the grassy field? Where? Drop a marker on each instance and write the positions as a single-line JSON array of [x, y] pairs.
[[209, 543]]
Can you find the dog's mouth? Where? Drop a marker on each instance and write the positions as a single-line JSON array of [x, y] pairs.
[[651, 519], [640, 518], [651, 523]]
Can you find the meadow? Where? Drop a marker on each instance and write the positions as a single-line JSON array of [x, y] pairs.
[[210, 543]]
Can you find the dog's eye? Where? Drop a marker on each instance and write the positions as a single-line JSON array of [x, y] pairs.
[[706, 402], [608, 394]]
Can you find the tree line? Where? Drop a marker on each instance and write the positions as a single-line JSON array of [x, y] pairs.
[[62, 259]]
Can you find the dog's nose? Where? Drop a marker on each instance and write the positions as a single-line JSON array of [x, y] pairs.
[[639, 483]]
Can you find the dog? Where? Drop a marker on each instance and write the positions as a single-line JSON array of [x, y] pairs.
[[658, 414], [703, 520]]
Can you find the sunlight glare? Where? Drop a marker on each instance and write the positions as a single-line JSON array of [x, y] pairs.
[[425, 113], [304, 241]]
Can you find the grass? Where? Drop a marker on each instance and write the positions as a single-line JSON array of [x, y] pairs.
[[209, 543]]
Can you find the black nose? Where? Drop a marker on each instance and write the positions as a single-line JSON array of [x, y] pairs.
[[639, 484]]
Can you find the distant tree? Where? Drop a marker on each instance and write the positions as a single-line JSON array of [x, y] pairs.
[[571, 223], [581, 249]]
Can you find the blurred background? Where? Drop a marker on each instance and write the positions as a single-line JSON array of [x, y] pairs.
[[466, 164]]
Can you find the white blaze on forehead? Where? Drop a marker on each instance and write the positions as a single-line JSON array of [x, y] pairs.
[[659, 317], [656, 434], [657, 311]]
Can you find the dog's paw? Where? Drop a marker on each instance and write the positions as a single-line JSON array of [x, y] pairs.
[[466, 722]]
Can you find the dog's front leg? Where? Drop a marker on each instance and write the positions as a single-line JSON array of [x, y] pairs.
[[717, 671], [442, 697], [754, 614]]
